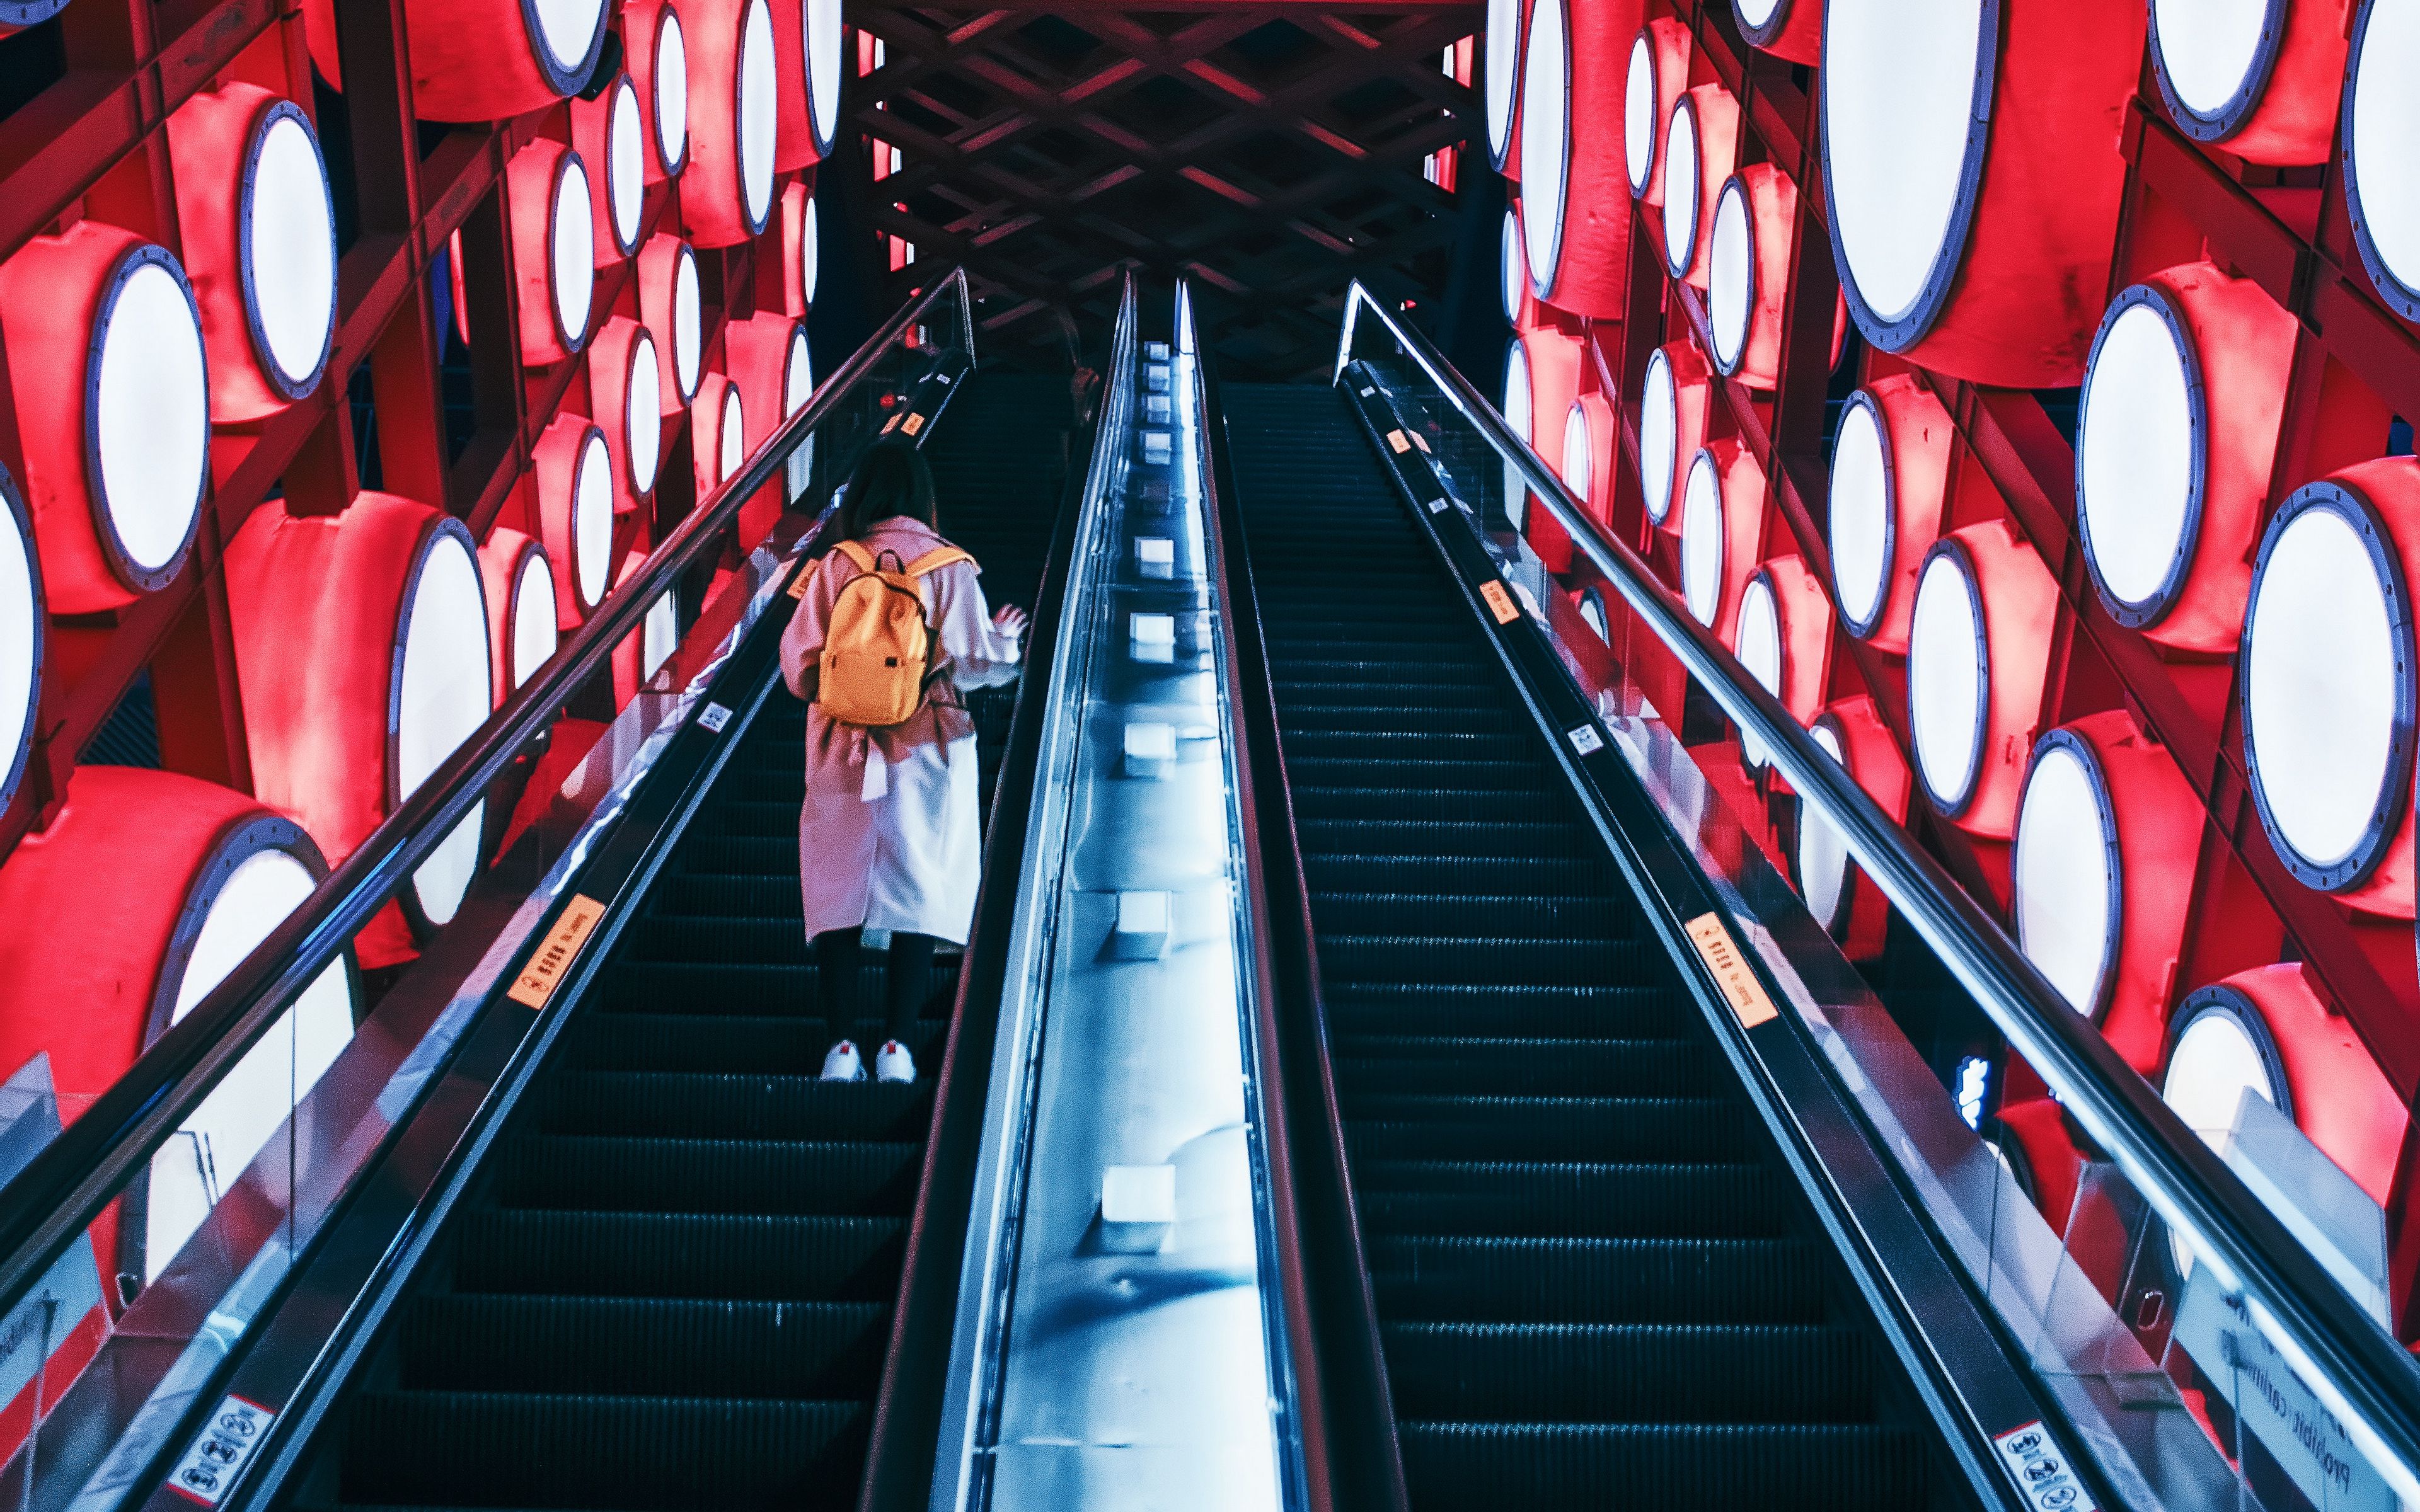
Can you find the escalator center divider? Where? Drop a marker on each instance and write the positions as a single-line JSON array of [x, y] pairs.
[[667, 1287]]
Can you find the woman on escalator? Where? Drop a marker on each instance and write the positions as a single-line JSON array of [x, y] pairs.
[[891, 629]]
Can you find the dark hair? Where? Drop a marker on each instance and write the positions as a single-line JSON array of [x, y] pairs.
[[892, 481]]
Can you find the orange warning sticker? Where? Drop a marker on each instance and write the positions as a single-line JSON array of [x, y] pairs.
[[1395, 439], [1500, 603], [891, 425], [913, 424], [1419, 440], [554, 957], [1732, 974]]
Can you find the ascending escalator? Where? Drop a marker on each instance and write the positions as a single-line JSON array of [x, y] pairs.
[[1594, 1284], [672, 1287]]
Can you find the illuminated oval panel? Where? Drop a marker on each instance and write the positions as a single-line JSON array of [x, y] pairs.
[[572, 468], [2380, 119], [1508, 22], [1978, 640], [1784, 640], [764, 355], [1588, 452], [2173, 452], [476, 60], [1516, 406], [2327, 684], [1675, 400], [523, 622], [1890, 475], [624, 375], [1576, 201], [1659, 70], [258, 229], [1972, 194], [2101, 805], [2262, 77], [657, 51], [361, 638], [163, 884], [1513, 269], [807, 45], [107, 368], [668, 301], [1700, 147], [727, 190], [609, 133], [554, 249], [717, 432], [1786, 28], [1722, 522], [22, 613], [1842, 899], [801, 263], [1554, 381]]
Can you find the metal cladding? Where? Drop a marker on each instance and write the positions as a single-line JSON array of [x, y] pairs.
[[258, 226], [727, 190], [111, 384], [2177, 436], [2104, 821], [1972, 176], [1891, 480], [550, 199], [363, 642], [470, 64], [2263, 81], [572, 472], [164, 883], [1978, 642], [1575, 195]]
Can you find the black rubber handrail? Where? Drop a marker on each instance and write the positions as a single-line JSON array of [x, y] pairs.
[[52, 1199], [2359, 1371], [1348, 1411]]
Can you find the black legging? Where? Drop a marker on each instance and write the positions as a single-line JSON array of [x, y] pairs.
[[911, 980]]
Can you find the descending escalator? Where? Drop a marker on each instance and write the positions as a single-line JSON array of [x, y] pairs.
[[672, 1286], [1594, 1283]]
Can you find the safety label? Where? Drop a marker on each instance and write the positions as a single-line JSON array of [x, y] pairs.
[[913, 424], [555, 953], [1585, 739], [1732, 974], [1436, 506], [226, 1441], [1500, 603], [2042, 1471], [714, 717], [1398, 442]]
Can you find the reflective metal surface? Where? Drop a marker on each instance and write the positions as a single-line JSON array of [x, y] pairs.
[[1117, 1343]]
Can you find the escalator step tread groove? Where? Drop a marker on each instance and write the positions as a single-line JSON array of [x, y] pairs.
[[670, 1287], [1591, 1279]]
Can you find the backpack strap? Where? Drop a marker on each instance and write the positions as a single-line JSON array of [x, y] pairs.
[[935, 559], [855, 551]]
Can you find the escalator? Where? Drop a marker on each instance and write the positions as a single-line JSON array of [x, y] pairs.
[[671, 1285], [1592, 1278]]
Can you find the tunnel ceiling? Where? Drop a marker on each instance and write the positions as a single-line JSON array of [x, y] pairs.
[[1268, 151]]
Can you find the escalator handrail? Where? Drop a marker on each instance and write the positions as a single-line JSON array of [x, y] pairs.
[[2357, 1368], [65, 1187]]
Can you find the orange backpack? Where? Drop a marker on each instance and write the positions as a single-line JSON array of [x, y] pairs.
[[878, 652]]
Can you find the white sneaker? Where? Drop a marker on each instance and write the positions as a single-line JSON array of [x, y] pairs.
[[841, 1064], [892, 1063]]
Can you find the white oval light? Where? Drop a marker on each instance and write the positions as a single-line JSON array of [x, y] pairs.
[[149, 425], [1578, 455], [1701, 540], [2214, 1063], [290, 245], [644, 412], [1638, 114], [441, 699], [1511, 272], [1898, 98], [2207, 48], [2380, 122], [1503, 73], [689, 328], [2135, 457], [1545, 139], [534, 629], [2066, 875], [626, 168], [1681, 188], [1518, 416], [2323, 668], [1731, 276], [658, 635], [824, 42], [566, 28], [592, 517], [760, 114], [571, 252], [1659, 432], [1860, 532], [1947, 681], [1823, 855], [672, 92], [1759, 649], [20, 645], [809, 257], [731, 435]]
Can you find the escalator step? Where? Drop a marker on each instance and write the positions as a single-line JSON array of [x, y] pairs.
[[733, 1107], [783, 1044], [643, 1347], [1390, 1126], [739, 1176], [1672, 1468], [1545, 1198], [1535, 1280], [1630, 1373], [1521, 1010]]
